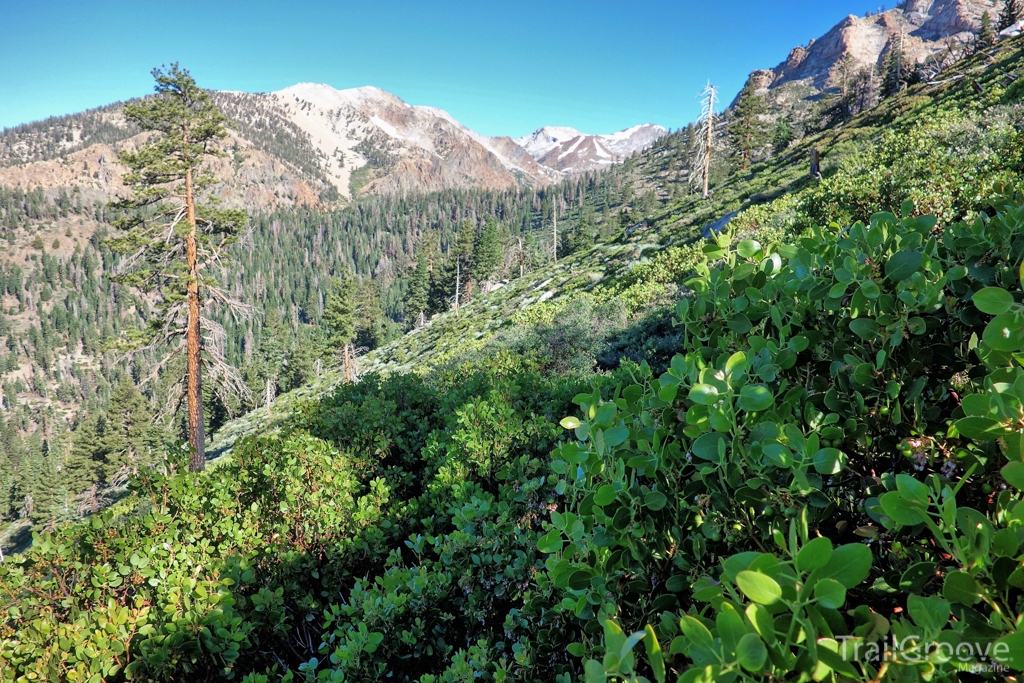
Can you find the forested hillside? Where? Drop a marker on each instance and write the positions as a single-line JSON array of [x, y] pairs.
[[62, 316], [775, 434]]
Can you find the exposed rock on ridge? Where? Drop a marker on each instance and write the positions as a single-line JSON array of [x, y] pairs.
[[925, 25]]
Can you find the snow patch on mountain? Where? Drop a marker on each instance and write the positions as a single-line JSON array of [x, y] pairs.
[[568, 150]]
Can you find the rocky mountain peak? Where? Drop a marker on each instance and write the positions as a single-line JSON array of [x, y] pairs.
[[567, 149], [923, 25]]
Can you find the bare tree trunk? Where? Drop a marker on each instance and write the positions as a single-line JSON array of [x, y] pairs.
[[94, 504], [458, 263], [521, 259], [710, 136], [554, 223], [268, 395], [193, 338]]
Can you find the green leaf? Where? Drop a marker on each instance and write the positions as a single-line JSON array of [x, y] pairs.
[[697, 633], [902, 265], [928, 613], [704, 394], [605, 495], [740, 324], [865, 328], [614, 638], [593, 672], [850, 564], [993, 300], [829, 461], [832, 660], [655, 500], [737, 361], [654, 655], [762, 621], [748, 248], [979, 428], [1004, 333], [961, 587], [756, 397], [830, 593], [615, 436], [569, 423], [760, 588], [579, 580], [911, 488], [815, 554], [1009, 651], [550, 542], [751, 653], [1013, 473], [706, 446], [869, 289], [903, 511]]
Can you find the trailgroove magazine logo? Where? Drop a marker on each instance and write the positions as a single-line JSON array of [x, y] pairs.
[[977, 657]]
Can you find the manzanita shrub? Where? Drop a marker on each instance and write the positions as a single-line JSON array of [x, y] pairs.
[[825, 484]]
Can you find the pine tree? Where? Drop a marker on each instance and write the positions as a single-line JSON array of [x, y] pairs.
[[895, 71], [83, 466], [1012, 12], [339, 313], [747, 129], [782, 136], [299, 366], [987, 33], [463, 257], [487, 251], [170, 237], [128, 437], [419, 290]]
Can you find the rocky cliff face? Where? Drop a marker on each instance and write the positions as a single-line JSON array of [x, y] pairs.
[[925, 27]]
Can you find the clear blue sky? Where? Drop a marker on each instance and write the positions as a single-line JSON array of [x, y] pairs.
[[501, 68]]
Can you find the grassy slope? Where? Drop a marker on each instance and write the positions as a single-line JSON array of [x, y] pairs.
[[642, 268]]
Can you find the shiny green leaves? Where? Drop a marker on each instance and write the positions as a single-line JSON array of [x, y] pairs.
[[902, 265], [756, 397], [993, 300], [1005, 332], [760, 588]]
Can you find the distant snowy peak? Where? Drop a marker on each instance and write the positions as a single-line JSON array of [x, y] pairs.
[[568, 150], [367, 140], [542, 141]]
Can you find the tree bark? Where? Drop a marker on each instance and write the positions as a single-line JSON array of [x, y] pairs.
[[193, 338]]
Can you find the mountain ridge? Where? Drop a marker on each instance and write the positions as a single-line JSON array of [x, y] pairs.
[[306, 144]]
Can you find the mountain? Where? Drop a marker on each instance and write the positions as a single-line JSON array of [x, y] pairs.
[[370, 141], [567, 149], [926, 28], [310, 144]]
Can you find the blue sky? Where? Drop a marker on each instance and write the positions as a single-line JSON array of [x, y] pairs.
[[501, 68]]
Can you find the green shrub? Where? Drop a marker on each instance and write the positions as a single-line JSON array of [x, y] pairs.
[[817, 471]]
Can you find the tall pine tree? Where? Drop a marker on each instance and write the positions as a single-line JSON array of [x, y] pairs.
[[987, 33], [747, 129], [170, 237]]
